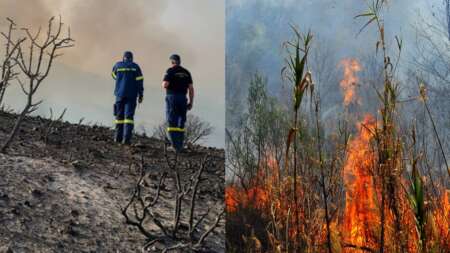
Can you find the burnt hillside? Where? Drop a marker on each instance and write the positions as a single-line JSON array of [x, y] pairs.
[[63, 187]]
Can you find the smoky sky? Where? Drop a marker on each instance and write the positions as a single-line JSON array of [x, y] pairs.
[[257, 29], [152, 30], [103, 29], [332, 22]]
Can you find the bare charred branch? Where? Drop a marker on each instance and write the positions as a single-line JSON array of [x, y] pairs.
[[144, 201], [35, 64], [49, 127], [7, 65]]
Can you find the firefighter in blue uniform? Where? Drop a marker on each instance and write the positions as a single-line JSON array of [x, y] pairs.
[[128, 91], [178, 83]]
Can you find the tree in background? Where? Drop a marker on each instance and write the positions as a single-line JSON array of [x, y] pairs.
[[196, 130]]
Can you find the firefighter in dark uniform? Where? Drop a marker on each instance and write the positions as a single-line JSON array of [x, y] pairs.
[[178, 83], [128, 91]]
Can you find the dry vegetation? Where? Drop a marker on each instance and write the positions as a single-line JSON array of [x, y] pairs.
[[366, 185]]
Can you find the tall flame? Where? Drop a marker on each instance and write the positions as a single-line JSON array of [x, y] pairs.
[[357, 228], [350, 80], [360, 212]]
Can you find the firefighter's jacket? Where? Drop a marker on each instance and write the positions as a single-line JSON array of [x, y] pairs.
[[129, 80]]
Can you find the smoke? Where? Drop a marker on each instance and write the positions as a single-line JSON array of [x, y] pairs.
[[103, 29], [257, 29], [332, 22], [152, 30]]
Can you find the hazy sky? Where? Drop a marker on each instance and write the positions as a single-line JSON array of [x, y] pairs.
[[257, 29], [103, 29]]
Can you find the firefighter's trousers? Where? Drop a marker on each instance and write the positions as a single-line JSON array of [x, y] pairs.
[[176, 109], [124, 109]]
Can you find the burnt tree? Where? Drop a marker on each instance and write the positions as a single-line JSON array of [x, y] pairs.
[[183, 231], [196, 130], [35, 64], [8, 63]]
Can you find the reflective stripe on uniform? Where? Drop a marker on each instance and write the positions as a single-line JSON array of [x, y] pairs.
[[114, 75], [125, 121], [139, 78], [175, 129], [126, 69]]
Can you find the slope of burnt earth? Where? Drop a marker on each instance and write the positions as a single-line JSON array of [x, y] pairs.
[[63, 188]]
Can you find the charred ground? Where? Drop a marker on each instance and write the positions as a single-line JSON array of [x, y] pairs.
[[63, 185]]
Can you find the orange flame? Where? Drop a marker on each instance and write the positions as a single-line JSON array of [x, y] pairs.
[[231, 200], [270, 194], [348, 84], [360, 212], [442, 219], [256, 196]]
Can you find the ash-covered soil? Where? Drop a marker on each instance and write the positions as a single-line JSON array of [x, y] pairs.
[[66, 195]]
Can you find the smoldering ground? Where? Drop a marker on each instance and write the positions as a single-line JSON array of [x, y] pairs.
[[104, 29]]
